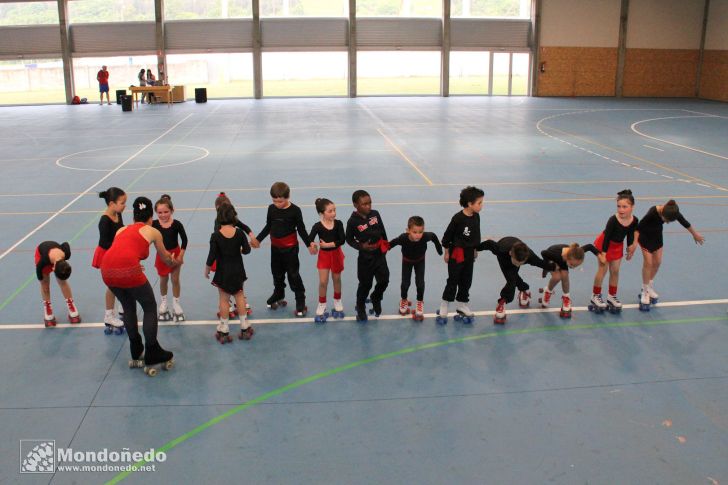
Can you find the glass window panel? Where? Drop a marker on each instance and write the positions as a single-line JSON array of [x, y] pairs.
[[224, 75], [32, 81], [501, 61], [491, 8], [94, 11], [305, 73], [304, 8], [519, 80], [469, 72], [28, 13], [123, 72], [207, 9], [399, 8], [399, 72]]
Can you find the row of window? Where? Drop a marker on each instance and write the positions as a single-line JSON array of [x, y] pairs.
[[284, 74], [93, 11]]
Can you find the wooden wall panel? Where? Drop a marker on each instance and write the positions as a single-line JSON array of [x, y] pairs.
[[577, 71], [660, 72], [714, 76]]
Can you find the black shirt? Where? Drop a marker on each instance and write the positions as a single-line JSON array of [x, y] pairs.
[[553, 253], [502, 249], [170, 234], [246, 229], [616, 232], [361, 229], [108, 229], [282, 222], [652, 222], [334, 235], [43, 249], [415, 250]]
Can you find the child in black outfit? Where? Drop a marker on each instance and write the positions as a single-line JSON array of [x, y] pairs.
[[414, 245], [51, 257], [565, 257], [331, 235], [283, 220], [226, 246], [460, 241], [365, 232]]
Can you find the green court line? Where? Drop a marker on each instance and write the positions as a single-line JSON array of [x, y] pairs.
[[408, 350]]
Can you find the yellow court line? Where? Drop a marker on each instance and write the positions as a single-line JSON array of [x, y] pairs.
[[650, 162], [406, 158], [417, 202]]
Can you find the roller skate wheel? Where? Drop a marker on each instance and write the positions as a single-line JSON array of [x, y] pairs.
[[107, 330], [457, 317], [320, 318], [119, 331], [654, 301], [179, 318], [169, 365], [441, 320], [150, 371], [467, 320], [644, 307], [565, 314]]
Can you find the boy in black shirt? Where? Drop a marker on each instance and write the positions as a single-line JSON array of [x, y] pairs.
[[414, 245], [365, 232], [283, 220]]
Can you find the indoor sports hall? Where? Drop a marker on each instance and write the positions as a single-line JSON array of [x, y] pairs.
[[551, 107]]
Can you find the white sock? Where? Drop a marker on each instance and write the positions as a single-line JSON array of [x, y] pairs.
[[244, 325]]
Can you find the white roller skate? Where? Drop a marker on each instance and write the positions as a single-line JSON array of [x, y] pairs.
[[500, 313], [73, 315], [441, 318], [163, 313], [248, 308], [644, 297], [321, 313], [565, 307], [338, 311], [179, 314], [597, 304], [546, 298], [112, 324], [404, 306], [613, 304], [524, 299], [222, 334], [418, 314], [49, 318], [654, 296], [246, 330], [463, 313]]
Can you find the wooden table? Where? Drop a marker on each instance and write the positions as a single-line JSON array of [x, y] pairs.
[[135, 90]]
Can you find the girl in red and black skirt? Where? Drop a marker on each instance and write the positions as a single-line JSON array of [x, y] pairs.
[[172, 231], [610, 244], [51, 257], [124, 275], [110, 222], [227, 244], [331, 235]]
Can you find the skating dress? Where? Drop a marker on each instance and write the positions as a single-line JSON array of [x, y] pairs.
[[230, 273]]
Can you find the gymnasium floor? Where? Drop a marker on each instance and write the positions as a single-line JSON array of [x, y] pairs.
[[630, 398]]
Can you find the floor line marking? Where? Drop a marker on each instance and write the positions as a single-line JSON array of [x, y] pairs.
[[93, 186], [397, 353], [406, 158], [396, 316], [632, 127], [654, 148]]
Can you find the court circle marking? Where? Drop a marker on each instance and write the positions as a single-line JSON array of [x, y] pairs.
[[205, 154]]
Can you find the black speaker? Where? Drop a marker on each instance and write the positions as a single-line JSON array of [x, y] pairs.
[[125, 103], [201, 95], [119, 94]]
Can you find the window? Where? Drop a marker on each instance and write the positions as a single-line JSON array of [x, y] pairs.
[[123, 72], [305, 73], [399, 8], [207, 9], [469, 72], [520, 68], [491, 8], [501, 66], [94, 11], [32, 81], [224, 75], [304, 8], [28, 13], [398, 72]]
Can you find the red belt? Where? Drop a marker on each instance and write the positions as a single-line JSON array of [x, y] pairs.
[[284, 242]]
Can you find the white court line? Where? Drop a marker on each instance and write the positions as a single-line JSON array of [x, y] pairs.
[[309, 319], [11, 248], [632, 127], [654, 148]]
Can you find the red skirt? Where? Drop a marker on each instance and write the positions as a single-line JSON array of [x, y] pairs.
[[615, 251], [98, 257], [47, 269], [332, 260], [162, 268]]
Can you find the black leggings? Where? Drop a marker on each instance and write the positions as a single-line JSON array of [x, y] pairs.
[[129, 298], [419, 268], [371, 267], [513, 279], [285, 262], [459, 280]]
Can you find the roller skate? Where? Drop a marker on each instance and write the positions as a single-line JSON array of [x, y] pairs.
[[248, 308], [441, 318], [376, 309], [137, 349], [321, 313], [48, 318], [73, 315], [597, 304], [361, 313], [156, 355], [233, 312], [301, 309], [524, 299], [179, 314], [112, 324], [246, 333], [613, 304], [163, 312], [418, 314], [546, 298], [222, 334], [500, 313], [338, 311], [654, 296], [565, 307], [404, 306], [463, 313], [644, 299], [276, 300]]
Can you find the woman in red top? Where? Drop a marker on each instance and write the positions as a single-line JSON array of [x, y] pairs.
[[124, 275]]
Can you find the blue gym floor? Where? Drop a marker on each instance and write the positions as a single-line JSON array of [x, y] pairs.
[[600, 399]]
